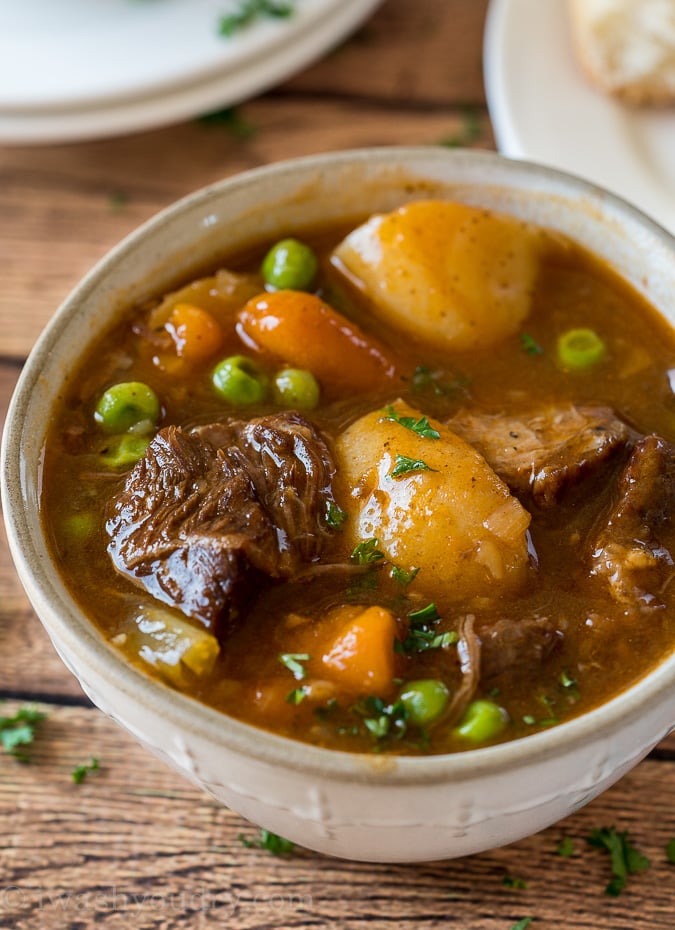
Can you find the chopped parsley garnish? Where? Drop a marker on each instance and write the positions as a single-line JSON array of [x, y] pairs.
[[566, 847], [427, 614], [566, 680], [422, 426], [297, 695], [382, 719], [273, 843], [368, 581], [334, 516], [426, 379], [402, 577], [251, 10], [509, 882], [530, 345], [80, 772], [570, 686], [549, 704], [328, 708], [422, 633], [404, 465], [293, 660], [19, 730], [522, 924], [551, 720], [366, 553], [625, 858], [670, 851]]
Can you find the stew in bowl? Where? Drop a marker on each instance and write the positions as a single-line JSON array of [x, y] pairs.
[[369, 532], [403, 486]]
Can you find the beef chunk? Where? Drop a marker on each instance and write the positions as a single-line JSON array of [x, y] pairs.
[[518, 646], [208, 514], [547, 451], [635, 548]]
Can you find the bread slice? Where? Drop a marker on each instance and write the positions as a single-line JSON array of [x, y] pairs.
[[627, 47]]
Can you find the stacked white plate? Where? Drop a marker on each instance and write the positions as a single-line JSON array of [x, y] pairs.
[[543, 109], [79, 69]]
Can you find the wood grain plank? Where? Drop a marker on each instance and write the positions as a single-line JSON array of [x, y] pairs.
[[135, 845], [429, 52], [31, 666]]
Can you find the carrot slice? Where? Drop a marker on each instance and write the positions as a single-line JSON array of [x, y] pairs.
[[196, 334], [303, 331], [361, 658]]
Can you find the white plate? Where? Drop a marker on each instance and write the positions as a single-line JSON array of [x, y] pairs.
[[543, 109], [79, 69]]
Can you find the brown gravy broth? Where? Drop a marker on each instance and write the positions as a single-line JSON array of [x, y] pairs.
[[597, 646]]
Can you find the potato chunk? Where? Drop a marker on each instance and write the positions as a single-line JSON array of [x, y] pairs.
[[455, 276], [455, 520], [177, 649]]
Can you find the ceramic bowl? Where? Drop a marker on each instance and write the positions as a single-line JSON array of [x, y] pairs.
[[368, 807]]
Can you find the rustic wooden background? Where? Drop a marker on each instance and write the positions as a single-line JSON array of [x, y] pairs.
[[134, 846]]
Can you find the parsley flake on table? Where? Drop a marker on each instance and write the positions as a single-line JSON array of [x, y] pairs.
[[117, 200], [404, 465], [80, 772], [566, 847], [468, 132], [18, 730], [272, 842], [249, 11], [522, 924], [670, 851], [625, 858], [232, 120], [422, 426], [510, 882]]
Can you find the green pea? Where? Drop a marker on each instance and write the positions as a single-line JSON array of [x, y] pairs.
[[482, 721], [425, 700], [290, 265], [579, 349], [126, 405], [123, 451], [79, 527], [239, 381], [295, 387]]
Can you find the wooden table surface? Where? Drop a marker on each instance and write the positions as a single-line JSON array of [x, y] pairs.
[[135, 846]]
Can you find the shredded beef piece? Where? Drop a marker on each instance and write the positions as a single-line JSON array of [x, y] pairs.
[[208, 515], [547, 451], [635, 548], [469, 653], [510, 645]]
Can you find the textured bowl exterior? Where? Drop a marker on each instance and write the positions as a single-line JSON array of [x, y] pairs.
[[369, 807]]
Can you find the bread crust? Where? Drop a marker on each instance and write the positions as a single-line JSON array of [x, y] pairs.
[[626, 48]]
